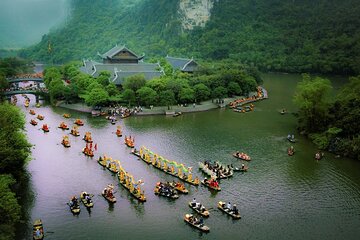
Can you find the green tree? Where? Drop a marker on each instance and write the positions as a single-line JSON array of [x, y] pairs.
[[103, 78], [51, 74], [147, 96], [112, 89], [167, 98], [129, 96], [56, 89], [234, 89], [158, 84], [202, 92], [219, 93], [9, 208], [312, 98], [134, 82], [96, 97], [186, 95]]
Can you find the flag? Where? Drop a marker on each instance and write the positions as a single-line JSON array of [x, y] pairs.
[[95, 147]]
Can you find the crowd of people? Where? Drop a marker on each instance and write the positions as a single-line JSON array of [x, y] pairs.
[[218, 170]]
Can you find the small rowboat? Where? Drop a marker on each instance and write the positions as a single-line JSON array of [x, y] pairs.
[[33, 122], [66, 115], [88, 153], [291, 139], [88, 204], [189, 218], [79, 122], [45, 128], [38, 105], [40, 117], [290, 152], [74, 132], [111, 199], [65, 143], [209, 186], [179, 187], [63, 126], [32, 112], [177, 114], [221, 206], [172, 195], [38, 230], [204, 212], [243, 156], [75, 209]]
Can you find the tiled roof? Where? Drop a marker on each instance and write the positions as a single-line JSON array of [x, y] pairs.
[[115, 50], [183, 64]]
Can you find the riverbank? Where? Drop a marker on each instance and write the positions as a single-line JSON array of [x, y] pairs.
[[164, 110]]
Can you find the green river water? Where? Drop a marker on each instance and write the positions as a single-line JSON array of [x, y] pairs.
[[280, 197]]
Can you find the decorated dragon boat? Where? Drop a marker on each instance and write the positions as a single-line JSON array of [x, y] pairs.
[[127, 181], [170, 167]]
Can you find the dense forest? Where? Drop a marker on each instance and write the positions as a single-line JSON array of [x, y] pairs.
[[14, 152], [331, 122], [274, 35]]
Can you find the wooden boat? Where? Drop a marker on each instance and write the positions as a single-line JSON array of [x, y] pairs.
[[221, 206], [75, 209], [290, 151], [113, 121], [74, 132], [130, 142], [38, 230], [38, 105], [218, 171], [177, 114], [66, 115], [179, 187], [63, 126], [203, 211], [111, 198], [118, 131], [88, 204], [88, 152], [283, 111], [87, 137], [242, 156], [26, 104], [291, 139], [40, 117], [125, 115], [65, 141], [170, 194], [189, 218], [217, 188], [33, 122], [79, 122], [240, 169], [45, 128], [319, 155], [32, 112]]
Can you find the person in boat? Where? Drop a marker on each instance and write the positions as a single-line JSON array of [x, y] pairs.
[[37, 232], [202, 209], [199, 206], [228, 205], [193, 202], [242, 166], [201, 221], [235, 210], [206, 181], [74, 201]]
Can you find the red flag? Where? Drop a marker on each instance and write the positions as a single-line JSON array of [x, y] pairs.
[[95, 147], [90, 145]]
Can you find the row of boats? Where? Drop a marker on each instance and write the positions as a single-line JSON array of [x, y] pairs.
[[200, 209]]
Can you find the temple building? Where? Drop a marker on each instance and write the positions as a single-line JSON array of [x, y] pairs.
[[121, 63], [183, 64]]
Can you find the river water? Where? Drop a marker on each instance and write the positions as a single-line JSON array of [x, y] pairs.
[[280, 197]]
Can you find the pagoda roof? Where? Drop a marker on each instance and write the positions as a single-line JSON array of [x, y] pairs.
[[115, 50], [183, 64]]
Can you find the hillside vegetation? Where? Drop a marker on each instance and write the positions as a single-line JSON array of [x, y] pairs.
[[274, 35]]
